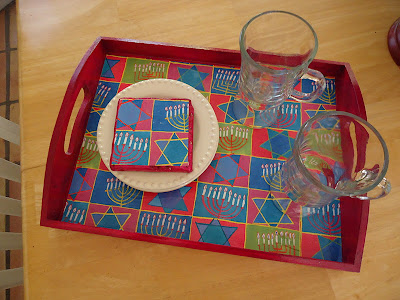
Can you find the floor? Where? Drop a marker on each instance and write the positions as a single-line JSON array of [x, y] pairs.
[[9, 108]]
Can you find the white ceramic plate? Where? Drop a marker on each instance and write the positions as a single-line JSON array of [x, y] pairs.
[[205, 135]]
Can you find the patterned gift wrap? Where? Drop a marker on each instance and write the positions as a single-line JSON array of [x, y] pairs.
[[153, 134], [237, 201]]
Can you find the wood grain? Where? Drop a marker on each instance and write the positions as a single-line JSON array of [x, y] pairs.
[[52, 38]]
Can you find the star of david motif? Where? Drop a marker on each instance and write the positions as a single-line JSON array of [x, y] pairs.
[[312, 112], [331, 249], [174, 151], [279, 143], [107, 72], [192, 77], [170, 201], [82, 184], [272, 211], [110, 219], [130, 115], [227, 108], [215, 233], [227, 168]]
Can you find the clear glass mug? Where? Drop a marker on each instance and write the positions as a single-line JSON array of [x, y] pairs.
[[336, 154], [276, 49]]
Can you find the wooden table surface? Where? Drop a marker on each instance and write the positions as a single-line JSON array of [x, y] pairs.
[[54, 35]]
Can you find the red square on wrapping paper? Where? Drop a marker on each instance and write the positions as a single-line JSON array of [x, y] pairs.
[[197, 76], [180, 201], [219, 232], [112, 217], [272, 208], [113, 68]]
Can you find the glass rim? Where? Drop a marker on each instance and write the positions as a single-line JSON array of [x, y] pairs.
[[306, 172], [243, 32]]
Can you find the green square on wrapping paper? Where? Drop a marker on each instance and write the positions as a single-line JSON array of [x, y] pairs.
[[137, 69], [234, 139], [89, 156], [273, 239]]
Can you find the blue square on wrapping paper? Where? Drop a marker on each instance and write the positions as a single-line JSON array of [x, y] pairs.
[[264, 174], [164, 225], [221, 202], [108, 190], [104, 93], [170, 116], [225, 81]]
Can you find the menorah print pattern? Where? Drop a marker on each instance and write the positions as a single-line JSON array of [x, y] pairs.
[[286, 116], [222, 203], [74, 212], [324, 219], [164, 225], [128, 149], [89, 152], [329, 95], [178, 116], [225, 81], [272, 176], [238, 201], [278, 242], [233, 138], [120, 193]]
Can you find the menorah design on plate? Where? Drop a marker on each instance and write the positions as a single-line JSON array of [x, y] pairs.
[[324, 219], [278, 242], [222, 202], [178, 116], [128, 149], [89, 150], [120, 193], [162, 225], [101, 95], [285, 115], [73, 215], [149, 70], [329, 94], [226, 82], [233, 138], [272, 175]]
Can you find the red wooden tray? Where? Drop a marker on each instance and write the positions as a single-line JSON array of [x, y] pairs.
[[60, 165]]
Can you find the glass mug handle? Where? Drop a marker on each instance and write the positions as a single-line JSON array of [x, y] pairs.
[[318, 87], [381, 190]]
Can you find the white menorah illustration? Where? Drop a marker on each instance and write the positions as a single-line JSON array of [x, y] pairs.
[[283, 243], [325, 219], [101, 95], [226, 81], [178, 116], [128, 149], [76, 216], [286, 115], [222, 202], [233, 138], [89, 151], [119, 192], [162, 226], [329, 94], [272, 176], [148, 71]]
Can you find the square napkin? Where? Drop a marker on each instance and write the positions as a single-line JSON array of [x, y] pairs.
[[153, 134]]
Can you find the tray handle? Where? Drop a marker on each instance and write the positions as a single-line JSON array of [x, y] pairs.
[[60, 165]]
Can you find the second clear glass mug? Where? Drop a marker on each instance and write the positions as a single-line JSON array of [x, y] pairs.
[[335, 154], [276, 48]]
